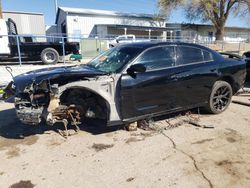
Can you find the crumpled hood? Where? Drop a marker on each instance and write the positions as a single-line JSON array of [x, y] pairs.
[[23, 80]]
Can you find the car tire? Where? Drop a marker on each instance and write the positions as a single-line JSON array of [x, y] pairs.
[[220, 97], [49, 56]]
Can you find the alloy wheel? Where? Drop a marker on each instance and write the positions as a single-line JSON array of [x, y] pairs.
[[221, 98]]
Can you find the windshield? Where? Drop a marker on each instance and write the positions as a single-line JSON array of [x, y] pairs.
[[113, 60]]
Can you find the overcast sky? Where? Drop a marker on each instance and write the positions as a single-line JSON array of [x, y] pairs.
[[130, 6]]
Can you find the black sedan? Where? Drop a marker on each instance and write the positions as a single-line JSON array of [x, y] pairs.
[[247, 58], [130, 82]]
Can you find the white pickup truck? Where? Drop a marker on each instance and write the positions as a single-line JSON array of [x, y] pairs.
[[124, 39]]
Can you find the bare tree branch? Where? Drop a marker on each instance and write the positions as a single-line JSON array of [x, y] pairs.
[[215, 11]]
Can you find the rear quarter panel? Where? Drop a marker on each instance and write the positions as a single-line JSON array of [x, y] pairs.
[[235, 70]]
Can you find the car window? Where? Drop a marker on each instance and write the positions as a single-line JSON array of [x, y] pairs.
[[207, 56], [160, 57], [113, 60], [187, 55], [121, 38]]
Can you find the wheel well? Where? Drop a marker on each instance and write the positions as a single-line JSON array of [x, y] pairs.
[[88, 100], [247, 54], [229, 80]]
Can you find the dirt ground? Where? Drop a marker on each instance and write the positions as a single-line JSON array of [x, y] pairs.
[[168, 156]]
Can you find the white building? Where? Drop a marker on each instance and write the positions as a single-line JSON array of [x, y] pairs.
[[205, 32], [102, 23], [28, 23]]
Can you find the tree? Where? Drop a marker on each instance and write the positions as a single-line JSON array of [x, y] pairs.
[[1, 12], [215, 11], [160, 18]]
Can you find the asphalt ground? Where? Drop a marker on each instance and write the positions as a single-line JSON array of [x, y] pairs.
[[173, 153]]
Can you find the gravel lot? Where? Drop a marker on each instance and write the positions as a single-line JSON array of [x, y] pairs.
[[182, 156]]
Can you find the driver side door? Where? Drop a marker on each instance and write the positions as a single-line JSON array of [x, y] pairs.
[[151, 91]]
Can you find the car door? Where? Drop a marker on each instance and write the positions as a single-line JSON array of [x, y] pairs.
[[197, 73], [152, 91]]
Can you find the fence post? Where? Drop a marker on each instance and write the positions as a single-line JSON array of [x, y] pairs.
[[18, 50], [100, 46], [63, 50], [239, 48]]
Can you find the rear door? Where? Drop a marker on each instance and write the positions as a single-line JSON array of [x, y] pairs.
[[197, 73]]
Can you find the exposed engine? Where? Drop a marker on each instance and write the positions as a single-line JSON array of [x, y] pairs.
[[46, 102]]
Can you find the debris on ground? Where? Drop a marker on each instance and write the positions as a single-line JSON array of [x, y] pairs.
[[130, 179], [134, 139], [173, 122], [23, 184], [145, 124], [100, 147], [191, 122], [241, 103], [131, 126], [243, 91]]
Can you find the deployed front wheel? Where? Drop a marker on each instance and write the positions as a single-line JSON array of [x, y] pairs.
[[49, 56], [220, 97]]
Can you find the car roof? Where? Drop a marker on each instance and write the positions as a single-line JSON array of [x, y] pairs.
[[146, 45]]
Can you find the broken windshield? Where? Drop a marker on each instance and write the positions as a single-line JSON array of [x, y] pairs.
[[113, 60]]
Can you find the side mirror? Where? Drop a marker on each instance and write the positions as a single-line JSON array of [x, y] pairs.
[[135, 69]]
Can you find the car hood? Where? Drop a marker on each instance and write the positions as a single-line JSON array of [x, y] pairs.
[[37, 76]]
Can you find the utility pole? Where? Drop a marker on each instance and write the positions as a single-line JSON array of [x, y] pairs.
[[56, 6], [1, 10]]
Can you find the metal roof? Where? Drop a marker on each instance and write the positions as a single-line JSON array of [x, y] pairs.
[[138, 27], [22, 12], [204, 25], [102, 13]]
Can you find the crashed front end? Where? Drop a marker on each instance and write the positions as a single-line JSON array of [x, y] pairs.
[[63, 95], [57, 104], [32, 104]]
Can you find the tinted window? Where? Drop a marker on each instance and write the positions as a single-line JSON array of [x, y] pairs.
[[160, 57], [187, 55], [207, 56]]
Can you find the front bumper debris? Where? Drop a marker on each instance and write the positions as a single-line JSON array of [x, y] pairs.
[[30, 116]]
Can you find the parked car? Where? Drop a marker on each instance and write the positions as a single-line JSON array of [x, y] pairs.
[[130, 82], [122, 39], [246, 55]]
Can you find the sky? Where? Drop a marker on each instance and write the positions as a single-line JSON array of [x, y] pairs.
[[47, 7]]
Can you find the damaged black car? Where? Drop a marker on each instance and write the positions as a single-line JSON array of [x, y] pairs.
[[128, 83]]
